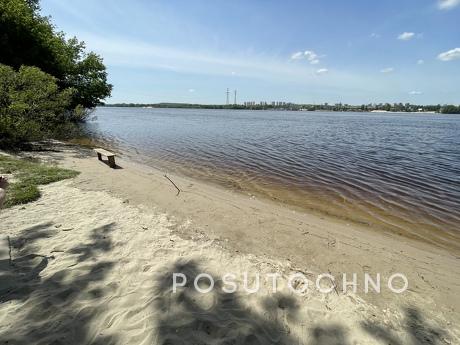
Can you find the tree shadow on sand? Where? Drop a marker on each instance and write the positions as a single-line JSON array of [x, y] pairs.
[[188, 317], [418, 331], [52, 313], [20, 273], [63, 308]]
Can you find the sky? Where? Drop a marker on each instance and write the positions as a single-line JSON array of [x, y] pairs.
[[354, 52]]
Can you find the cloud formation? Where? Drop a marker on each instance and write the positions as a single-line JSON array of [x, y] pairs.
[[297, 56], [449, 55], [121, 52], [420, 62], [448, 4], [322, 71], [406, 36], [414, 93], [309, 55], [387, 70]]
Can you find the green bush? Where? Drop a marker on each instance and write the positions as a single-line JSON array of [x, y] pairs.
[[31, 105]]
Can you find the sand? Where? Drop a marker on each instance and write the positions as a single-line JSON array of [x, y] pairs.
[[91, 262]]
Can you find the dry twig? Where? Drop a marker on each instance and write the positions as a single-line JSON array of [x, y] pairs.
[[178, 190]]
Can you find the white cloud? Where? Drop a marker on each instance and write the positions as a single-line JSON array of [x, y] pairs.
[[191, 90], [414, 93], [387, 70], [309, 55], [374, 35], [406, 36], [448, 4], [297, 56], [322, 71], [124, 52], [420, 62], [450, 55]]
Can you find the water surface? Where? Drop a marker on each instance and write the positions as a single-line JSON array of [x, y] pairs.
[[396, 172]]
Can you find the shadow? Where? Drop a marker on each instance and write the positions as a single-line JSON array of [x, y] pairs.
[[20, 277], [101, 242], [20, 273], [106, 162], [56, 150], [329, 335], [65, 307], [189, 317], [24, 243], [53, 312], [419, 332]]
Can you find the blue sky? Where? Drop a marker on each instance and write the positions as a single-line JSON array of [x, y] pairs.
[[301, 51]]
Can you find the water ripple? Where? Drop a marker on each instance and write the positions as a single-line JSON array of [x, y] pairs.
[[398, 171]]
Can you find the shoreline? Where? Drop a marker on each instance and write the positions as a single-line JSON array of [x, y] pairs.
[[371, 219], [245, 226]]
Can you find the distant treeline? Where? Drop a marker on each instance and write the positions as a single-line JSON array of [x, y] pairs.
[[176, 105], [395, 107]]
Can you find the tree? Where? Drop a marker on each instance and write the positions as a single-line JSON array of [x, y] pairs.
[[89, 78], [32, 105], [27, 38], [33, 4], [450, 109]]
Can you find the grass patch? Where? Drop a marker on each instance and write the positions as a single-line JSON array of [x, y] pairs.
[[28, 175]]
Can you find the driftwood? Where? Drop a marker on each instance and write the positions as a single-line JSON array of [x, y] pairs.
[[178, 190]]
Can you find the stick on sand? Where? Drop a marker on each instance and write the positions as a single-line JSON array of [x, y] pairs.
[[178, 190]]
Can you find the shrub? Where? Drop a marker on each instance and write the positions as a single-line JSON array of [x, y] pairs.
[[31, 105]]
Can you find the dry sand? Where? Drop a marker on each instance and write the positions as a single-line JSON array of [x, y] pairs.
[[92, 260]]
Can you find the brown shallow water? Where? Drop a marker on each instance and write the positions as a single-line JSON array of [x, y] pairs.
[[396, 172]]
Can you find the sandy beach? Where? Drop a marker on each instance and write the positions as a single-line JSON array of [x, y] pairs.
[[91, 262]]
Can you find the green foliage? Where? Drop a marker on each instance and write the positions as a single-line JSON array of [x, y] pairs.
[[89, 78], [15, 132], [31, 105], [33, 4], [450, 109], [27, 38], [28, 174]]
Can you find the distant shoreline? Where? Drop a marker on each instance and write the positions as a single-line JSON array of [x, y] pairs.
[[377, 108]]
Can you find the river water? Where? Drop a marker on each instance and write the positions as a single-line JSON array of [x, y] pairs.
[[395, 172]]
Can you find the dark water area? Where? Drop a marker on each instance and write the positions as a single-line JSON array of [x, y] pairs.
[[395, 172]]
